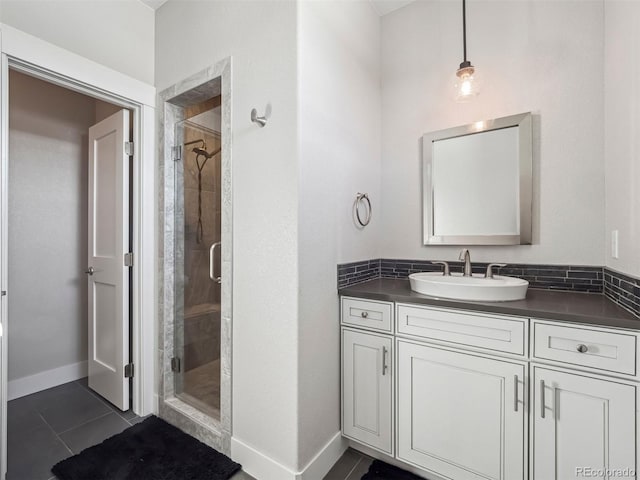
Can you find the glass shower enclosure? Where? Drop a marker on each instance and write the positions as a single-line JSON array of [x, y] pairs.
[[196, 364]]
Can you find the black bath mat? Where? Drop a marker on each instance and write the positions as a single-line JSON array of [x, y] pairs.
[[383, 471], [150, 450]]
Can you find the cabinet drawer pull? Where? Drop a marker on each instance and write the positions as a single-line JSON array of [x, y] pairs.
[[515, 392], [582, 348], [364, 314], [384, 360], [541, 398]]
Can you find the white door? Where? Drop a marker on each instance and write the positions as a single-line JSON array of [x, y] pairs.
[[367, 389], [107, 275], [582, 426], [461, 415]]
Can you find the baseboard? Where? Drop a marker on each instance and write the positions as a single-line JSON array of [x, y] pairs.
[[320, 465], [260, 466], [47, 379], [257, 464]]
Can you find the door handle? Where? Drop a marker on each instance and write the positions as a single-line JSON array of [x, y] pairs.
[[515, 392], [541, 398], [89, 271], [212, 252]]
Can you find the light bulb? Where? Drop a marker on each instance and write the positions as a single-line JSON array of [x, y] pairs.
[[466, 84]]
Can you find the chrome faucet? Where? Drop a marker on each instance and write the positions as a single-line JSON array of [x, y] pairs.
[[464, 257]]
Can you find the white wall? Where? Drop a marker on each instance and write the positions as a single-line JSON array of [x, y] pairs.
[[261, 38], [622, 127], [116, 33], [540, 56], [339, 148], [48, 129]]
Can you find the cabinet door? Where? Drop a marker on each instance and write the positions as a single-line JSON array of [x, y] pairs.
[[582, 426], [367, 389], [460, 415]]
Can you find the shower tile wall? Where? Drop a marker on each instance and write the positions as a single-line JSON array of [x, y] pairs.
[[201, 294]]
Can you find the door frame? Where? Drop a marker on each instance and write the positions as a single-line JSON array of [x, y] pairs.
[[28, 54], [172, 101]]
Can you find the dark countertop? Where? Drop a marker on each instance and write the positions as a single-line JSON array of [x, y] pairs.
[[589, 308]]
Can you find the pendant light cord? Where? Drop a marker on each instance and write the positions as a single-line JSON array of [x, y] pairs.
[[464, 29]]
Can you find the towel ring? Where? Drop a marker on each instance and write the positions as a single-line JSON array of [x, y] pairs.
[[360, 199]]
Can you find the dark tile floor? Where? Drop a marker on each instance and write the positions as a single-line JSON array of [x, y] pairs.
[[51, 425], [351, 466], [54, 424]]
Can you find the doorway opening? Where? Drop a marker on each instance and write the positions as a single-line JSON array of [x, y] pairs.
[[69, 218]]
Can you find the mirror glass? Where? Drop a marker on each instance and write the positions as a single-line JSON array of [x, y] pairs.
[[477, 183]]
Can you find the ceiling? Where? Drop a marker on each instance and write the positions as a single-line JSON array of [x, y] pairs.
[[387, 6], [155, 4], [382, 7]]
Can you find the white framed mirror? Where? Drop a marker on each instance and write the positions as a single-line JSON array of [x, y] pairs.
[[477, 183]]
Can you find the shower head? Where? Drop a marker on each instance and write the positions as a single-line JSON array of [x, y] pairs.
[[200, 140], [203, 152]]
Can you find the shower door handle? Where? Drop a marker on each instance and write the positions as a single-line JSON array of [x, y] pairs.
[[212, 256]]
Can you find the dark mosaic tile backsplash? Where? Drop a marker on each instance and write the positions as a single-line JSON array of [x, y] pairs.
[[357, 272], [622, 289], [552, 277]]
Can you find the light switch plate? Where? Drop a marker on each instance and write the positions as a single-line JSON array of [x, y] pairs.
[[614, 244]]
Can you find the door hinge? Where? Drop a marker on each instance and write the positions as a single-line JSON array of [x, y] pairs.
[[176, 153], [128, 259], [175, 364], [128, 370], [128, 148]]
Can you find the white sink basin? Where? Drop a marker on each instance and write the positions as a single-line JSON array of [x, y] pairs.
[[476, 288]]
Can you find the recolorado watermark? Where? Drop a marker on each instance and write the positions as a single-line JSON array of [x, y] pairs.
[[590, 472]]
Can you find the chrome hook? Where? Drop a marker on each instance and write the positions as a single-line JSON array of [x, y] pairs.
[[261, 121]]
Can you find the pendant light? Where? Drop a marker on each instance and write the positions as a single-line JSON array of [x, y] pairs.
[[466, 83]]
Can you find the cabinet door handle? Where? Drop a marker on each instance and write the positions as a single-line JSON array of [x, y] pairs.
[[384, 360], [541, 398], [515, 392]]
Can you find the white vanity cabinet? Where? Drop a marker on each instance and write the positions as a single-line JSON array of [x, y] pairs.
[[581, 425], [460, 415], [367, 389], [475, 395]]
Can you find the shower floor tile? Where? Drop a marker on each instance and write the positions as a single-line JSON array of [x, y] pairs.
[[202, 388]]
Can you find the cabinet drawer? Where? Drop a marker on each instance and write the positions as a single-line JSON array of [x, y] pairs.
[[613, 352], [367, 313], [492, 332]]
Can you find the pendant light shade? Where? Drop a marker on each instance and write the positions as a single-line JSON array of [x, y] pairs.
[[466, 85]]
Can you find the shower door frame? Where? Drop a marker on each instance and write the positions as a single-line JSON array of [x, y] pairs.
[[50, 63], [172, 101]]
